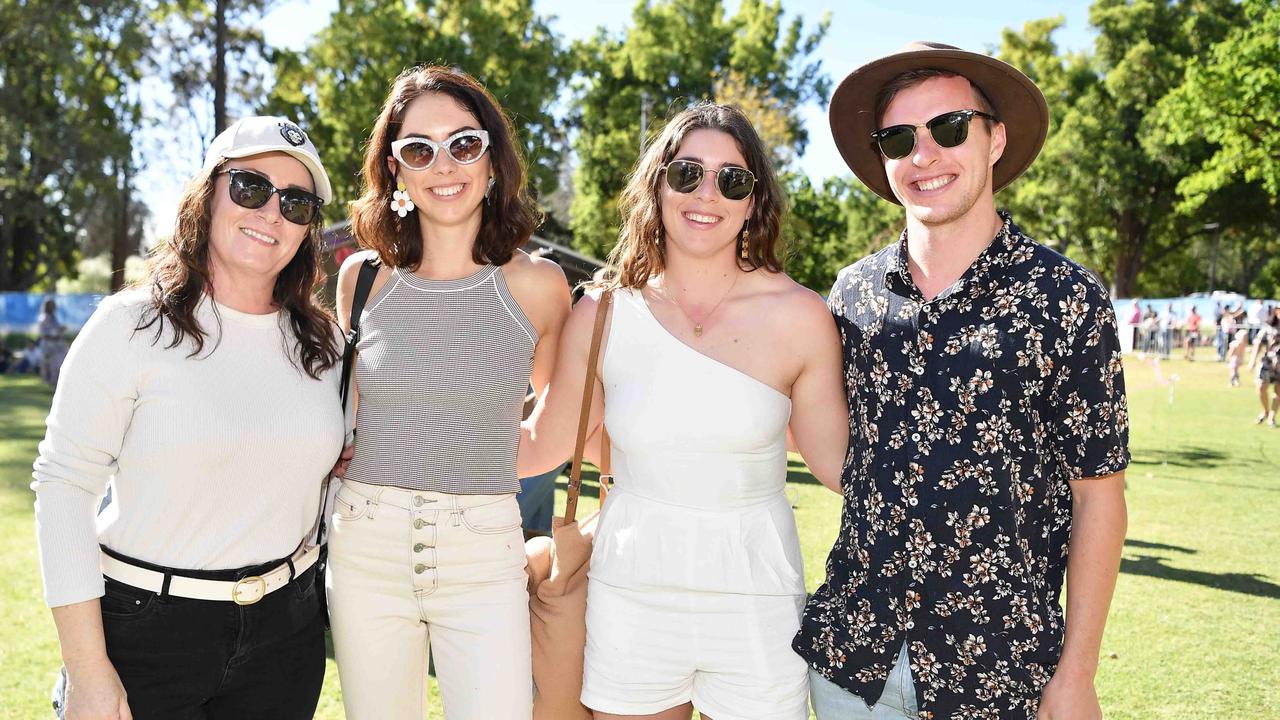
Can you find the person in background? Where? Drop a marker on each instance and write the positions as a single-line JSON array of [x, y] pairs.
[[29, 360], [53, 344], [1165, 323], [1134, 323], [1235, 355], [1266, 358], [207, 396], [1220, 339], [1192, 338]]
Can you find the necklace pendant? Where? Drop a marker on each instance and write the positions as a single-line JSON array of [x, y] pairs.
[[697, 330]]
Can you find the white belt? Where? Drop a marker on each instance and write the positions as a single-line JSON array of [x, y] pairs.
[[245, 591]]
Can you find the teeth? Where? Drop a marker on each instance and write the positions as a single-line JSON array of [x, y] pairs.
[[447, 191], [259, 236], [702, 218], [935, 183]]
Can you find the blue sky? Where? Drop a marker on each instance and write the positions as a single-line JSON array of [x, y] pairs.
[[860, 31]]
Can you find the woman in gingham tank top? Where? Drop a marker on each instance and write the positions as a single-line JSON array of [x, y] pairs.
[[426, 553]]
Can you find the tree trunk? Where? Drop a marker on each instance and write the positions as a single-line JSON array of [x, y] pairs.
[[120, 243], [1131, 240], [220, 69], [6, 247]]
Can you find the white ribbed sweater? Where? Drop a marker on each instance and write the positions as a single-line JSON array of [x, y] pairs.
[[216, 461]]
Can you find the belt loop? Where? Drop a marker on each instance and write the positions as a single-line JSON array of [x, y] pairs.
[[164, 586], [292, 572]]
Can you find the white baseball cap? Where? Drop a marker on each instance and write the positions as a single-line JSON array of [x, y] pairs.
[[266, 133]]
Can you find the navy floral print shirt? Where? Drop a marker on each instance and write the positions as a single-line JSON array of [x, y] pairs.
[[969, 415]]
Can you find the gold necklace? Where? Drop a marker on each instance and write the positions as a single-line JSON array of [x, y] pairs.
[[697, 326]]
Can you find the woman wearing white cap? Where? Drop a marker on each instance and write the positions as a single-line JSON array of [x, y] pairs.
[[207, 397]]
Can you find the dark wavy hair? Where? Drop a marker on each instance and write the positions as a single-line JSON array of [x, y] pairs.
[[178, 277], [507, 219], [639, 254]]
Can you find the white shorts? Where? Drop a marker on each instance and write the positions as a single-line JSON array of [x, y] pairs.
[[650, 650]]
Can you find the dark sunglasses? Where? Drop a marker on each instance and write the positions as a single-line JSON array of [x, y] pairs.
[[948, 130], [734, 183], [250, 190], [419, 153]]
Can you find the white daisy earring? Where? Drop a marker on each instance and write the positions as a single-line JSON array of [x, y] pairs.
[[401, 203]]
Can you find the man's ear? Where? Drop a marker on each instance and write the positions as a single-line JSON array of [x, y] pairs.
[[997, 142]]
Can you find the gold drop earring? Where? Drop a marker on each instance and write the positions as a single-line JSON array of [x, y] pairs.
[[745, 242]]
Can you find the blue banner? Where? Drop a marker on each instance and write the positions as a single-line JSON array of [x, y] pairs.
[[19, 312]]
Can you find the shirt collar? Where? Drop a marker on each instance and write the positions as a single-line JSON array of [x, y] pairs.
[[990, 264]]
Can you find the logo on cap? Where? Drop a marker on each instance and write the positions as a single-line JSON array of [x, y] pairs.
[[292, 134]]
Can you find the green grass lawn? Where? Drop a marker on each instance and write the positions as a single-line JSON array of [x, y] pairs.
[[1195, 625]]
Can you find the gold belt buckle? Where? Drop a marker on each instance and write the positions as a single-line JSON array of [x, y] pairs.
[[248, 583]]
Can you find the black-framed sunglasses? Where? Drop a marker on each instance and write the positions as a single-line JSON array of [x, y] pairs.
[[419, 153], [948, 130], [733, 182], [250, 190]]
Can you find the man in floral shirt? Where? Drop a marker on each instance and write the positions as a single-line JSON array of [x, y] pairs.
[[989, 427]]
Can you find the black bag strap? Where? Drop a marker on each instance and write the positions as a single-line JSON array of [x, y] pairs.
[[364, 283]]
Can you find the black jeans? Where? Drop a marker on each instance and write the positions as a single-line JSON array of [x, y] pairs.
[[183, 659]]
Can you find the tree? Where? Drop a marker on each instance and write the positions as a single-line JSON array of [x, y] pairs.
[[1099, 186], [212, 54], [678, 52], [337, 86], [65, 113], [1231, 100]]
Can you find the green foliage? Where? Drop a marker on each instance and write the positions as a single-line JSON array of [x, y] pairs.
[[66, 114], [186, 47], [1097, 191], [1231, 100], [678, 52], [337, 86]]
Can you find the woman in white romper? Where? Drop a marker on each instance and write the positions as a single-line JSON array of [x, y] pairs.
[[710, 355]]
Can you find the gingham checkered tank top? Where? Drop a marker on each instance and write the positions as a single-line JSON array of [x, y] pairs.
[[442, 370]]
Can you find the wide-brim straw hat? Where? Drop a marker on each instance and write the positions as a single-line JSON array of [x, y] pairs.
[[1019, 104]]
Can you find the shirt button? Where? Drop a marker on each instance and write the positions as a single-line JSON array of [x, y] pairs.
[[420, 568], [419, 547], [910, 624], [915, 437], [417, 500], [419, 523]]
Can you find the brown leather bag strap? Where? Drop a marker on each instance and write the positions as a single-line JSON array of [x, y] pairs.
[[588, 386]]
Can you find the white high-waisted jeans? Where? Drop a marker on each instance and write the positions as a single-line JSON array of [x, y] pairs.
[[412, 571]]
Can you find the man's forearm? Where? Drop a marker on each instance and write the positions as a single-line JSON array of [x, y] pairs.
[[1098, 524]]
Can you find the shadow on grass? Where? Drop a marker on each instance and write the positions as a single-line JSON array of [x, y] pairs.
[[1219, 483], [1190, 457], [1246, 583], [798, 473], [1130, 542]]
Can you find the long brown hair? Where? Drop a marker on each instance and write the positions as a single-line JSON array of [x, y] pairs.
[[639, 254], [507, 218], [178, 276]]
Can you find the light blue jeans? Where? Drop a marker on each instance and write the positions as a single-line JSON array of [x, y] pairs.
[[897, 702]]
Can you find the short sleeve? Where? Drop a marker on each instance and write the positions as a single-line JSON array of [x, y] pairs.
[[1088, 411]]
